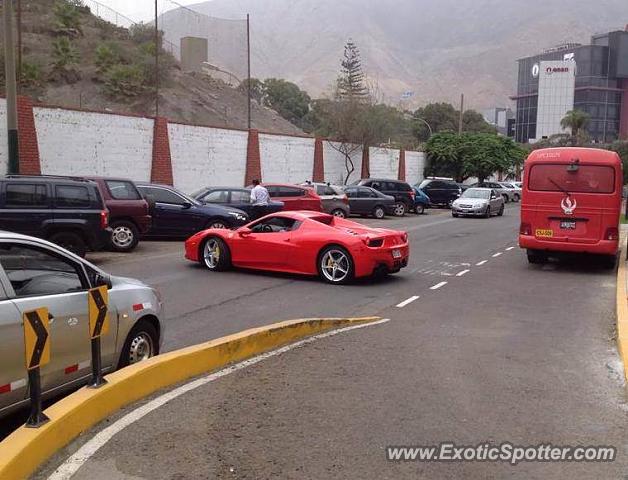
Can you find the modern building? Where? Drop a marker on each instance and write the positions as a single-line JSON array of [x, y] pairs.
[[499, 118], [592, 78]]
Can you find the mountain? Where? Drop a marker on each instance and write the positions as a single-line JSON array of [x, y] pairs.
[[188, 98], [434, 48]]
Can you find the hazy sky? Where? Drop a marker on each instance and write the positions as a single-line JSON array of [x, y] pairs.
[[142, 10]]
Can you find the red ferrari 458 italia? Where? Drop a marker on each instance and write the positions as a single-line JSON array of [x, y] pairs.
[[308, 243]]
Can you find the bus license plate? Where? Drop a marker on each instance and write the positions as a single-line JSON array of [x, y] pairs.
[[568, 225], [542, 232], [396, 253]]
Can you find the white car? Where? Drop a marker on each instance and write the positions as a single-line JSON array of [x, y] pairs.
[[478, 202], [514, 191]]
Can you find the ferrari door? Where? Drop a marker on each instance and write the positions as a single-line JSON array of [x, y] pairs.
[[269, 245]]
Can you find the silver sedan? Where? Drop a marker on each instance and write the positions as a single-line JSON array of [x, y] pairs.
[[34, 274], [478, 202]]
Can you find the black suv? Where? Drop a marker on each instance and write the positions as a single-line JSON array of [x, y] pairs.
[[441, 192], [401, 191], [67, 211]]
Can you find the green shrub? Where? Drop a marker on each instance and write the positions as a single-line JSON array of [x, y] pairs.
[[107, 55], [67, 18], [124, 81], [31, 74], [64, 53]]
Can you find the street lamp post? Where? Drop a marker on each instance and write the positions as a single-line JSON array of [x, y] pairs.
[[426, 124]]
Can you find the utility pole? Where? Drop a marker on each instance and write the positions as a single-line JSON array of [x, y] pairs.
[[19, 44], [157, 46], [461, 113], [248, 66], [11, 88]]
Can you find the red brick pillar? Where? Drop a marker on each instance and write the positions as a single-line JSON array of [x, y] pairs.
[[366, 162], [402, 165], [161, 169], [253, 159], [318, 174], [27, 137]]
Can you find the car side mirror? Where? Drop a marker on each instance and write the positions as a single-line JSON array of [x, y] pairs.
[[244, 231], [103, 280], [186, 205]]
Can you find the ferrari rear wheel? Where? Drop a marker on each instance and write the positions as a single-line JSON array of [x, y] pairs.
[[335, 265], [216, 255]]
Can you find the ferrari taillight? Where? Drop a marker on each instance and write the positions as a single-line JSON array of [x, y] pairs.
[[374, 242], [404, 238]]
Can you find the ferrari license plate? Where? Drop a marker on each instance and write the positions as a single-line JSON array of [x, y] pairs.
[[568, 225], [544, 232], [396, 253]]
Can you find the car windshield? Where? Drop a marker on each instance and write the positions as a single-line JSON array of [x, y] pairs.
[[476, 193]]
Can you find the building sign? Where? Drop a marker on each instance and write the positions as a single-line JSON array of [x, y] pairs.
[[536, 70], [553, 70]]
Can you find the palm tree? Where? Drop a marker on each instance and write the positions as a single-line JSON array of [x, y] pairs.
[[576, 121]]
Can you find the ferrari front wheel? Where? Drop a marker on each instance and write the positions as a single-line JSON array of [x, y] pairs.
[[335, 265], [215, 254]]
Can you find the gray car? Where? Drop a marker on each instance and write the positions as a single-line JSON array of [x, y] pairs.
[[35, 273], [333, 198], [478, 202]]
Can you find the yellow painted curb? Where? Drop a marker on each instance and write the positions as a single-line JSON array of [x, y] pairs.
[[622, 308], [26, 449]]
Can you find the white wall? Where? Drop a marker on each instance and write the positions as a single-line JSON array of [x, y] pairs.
[[384, 163], [335, 168], [415, 166], [286, 159], [85, 143], [4, 146], [203, 156]]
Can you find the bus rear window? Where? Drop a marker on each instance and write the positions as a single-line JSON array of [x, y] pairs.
[[556, 178]]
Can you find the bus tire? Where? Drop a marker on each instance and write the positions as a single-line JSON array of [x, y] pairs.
[[536, 257]]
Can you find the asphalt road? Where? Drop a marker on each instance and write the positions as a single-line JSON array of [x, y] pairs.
[[505, 352]]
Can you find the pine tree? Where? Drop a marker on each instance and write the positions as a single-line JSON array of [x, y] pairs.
[[351, 83]]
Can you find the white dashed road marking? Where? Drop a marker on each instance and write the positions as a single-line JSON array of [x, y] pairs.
[[408, 301], [510, 248], [438, 285], [479, 264], [464, 272], [497, 254]]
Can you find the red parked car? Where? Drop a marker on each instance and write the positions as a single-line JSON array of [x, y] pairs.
[[129, 215], [308, 243], [295, 197]]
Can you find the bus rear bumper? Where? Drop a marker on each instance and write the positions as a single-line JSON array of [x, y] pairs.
[[602, 247]]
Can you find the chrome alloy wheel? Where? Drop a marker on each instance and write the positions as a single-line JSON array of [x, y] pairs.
[[335, 265], [141, 348], [218, 225], [211, 253], [122, 236]]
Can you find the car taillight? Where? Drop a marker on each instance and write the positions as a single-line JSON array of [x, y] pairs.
[[525, 229], [612, 233], [345, 199], [104, 219], [404, 238], [413, 195], [373, 242]]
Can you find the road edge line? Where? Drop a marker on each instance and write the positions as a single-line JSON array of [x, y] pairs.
[[27, 448], [622, 308]]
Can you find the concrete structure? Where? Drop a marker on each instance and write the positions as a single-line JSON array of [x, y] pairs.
[[193, 53], [557, 83], [78, 142], [600, 89]]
